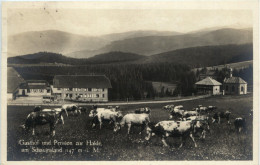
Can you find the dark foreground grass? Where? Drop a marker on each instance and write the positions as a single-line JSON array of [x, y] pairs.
[[221, 143]]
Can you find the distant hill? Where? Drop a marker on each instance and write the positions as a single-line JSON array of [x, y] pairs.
[[205, 55], [47, 57], [42, 57], [149, 45], [139, 33], [51, 41], [66, 43], [112, 57]]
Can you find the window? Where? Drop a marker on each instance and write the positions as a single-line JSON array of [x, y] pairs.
[[103, 89], [28, 90], [233, 88], [242, 89], [103, 95], [58, 88], [97, 95], [89, 89]]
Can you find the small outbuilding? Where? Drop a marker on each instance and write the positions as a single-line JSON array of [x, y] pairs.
[[208, 86], [235, 86]]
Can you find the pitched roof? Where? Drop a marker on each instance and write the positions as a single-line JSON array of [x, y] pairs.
[[14, 79], [26, 86], [208, 81], [81, 81], [235, 80], [34, 84]]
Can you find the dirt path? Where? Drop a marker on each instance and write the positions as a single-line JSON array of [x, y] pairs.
[[118, 103]]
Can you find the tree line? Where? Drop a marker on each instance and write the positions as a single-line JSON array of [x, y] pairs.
[[129, 81]]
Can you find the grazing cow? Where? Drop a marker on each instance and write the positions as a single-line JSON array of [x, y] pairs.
[[201, 117], [201, 124], [190, 113], [211, 107], [179, 107], [133, 119], [217, 116], [57, 111], [177, 113], [143, 110], [93, 112], [168, 107], [165, 129], [106, 115], [203, 109], [42, 118], [71, 108], [240, 124]]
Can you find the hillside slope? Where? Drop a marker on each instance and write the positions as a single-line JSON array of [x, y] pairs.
[[149, 45], [205, 55]]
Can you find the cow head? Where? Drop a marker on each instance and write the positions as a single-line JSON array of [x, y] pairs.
[[117, 127], [152, 130], [92, 113], [65, 110], [37, 108], [119, 115]]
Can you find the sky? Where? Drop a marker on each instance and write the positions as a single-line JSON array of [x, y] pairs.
[[96, 22]]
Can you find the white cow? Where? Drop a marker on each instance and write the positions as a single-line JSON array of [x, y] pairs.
[[71, 108], [137, 119], [190, 113], [165, 129], [93, 112], [111, 116], [57, 111]]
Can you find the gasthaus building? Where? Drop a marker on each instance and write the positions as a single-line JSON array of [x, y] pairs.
[[34, 88], [89, 88]]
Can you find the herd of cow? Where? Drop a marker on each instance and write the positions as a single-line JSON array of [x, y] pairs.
[[181, 123]]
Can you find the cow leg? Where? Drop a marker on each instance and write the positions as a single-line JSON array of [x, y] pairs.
[[219, 120], [181, 142], [239, 129], [129, 127], [62, 119], [100, 124], [52, 129], [33, 130], [192, 138], [142, 129], [164, 142], [203, 134]]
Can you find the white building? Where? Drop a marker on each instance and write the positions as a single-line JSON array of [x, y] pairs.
[[208, 86]]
